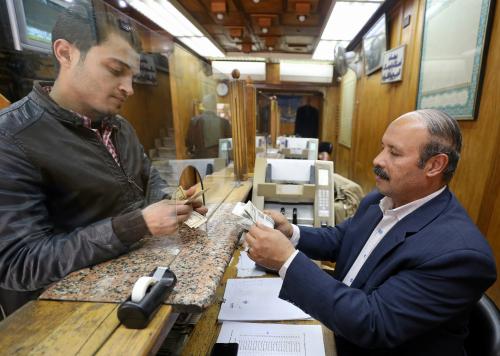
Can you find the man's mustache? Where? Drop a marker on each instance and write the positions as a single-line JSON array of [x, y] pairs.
[[380, 172]]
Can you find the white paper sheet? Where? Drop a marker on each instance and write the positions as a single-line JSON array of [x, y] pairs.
[[257, 299], [256, 339], [247, 267]]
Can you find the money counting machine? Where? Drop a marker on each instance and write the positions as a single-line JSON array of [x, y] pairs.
[[301, 189], [298, 147]]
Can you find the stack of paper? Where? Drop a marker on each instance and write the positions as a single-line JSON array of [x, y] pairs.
[[257, 299], [273, 339], [248, 268]]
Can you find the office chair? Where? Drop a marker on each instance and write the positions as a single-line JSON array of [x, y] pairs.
[[484, 329]]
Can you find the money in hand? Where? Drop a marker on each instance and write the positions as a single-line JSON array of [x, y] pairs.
[[250, 215], [259, 216], [195, 220], [179, 194]]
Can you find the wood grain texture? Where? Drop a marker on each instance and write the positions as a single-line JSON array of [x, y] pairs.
[[251, 126], [273, 73], [329, 123], [149, 110], [274, 120], [138, 342], [190, 80], [55, 328], [237, 93]]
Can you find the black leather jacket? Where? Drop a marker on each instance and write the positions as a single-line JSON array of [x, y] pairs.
[[65, 203]]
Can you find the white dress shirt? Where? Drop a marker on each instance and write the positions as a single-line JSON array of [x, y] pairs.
[[390, 218]]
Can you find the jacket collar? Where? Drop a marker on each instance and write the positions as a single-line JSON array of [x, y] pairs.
[[409, 225], [39, 96]]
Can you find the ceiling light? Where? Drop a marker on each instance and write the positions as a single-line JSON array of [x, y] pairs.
[[270, 49], [306, 71], [220, 16], [122, 3], [301, 18], [165, 15], [265, 30], [256, 1], [347, 19], [257, 70], [202, 45]]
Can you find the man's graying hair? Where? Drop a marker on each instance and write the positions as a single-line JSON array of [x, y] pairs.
[[87, 23], [445, 137]]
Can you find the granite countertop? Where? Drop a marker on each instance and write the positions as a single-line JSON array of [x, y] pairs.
[[198, 257]]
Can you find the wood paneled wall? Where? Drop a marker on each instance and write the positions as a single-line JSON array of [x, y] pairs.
[[476, 182], [190, 80], [149, 110]]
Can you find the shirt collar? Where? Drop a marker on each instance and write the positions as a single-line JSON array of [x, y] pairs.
[[386, 205]]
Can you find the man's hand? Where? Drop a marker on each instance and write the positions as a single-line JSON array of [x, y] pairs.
[[197, 204], [164, 217], [268, 247], [280, 222]]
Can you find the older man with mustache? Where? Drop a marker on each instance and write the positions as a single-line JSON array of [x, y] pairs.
[[409, 265]]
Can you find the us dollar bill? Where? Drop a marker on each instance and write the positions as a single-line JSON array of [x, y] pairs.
[[249, 215], [195, 220]]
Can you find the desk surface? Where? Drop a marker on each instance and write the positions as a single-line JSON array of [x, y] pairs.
[[206, 330], [67, 328]]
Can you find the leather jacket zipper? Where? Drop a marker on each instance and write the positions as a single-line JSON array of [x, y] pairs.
[[129, 179]]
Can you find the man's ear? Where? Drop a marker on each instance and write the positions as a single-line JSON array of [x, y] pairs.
[[64, 52], [436, 164]]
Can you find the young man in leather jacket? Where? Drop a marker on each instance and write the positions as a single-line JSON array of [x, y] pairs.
[[73, 174]]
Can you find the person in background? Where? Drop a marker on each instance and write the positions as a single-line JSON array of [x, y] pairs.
[[307, 120], [76, 187], [205, 130], [325, 150], [410, 263]]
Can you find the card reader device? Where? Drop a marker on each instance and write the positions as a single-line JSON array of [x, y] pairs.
[[147, 295]]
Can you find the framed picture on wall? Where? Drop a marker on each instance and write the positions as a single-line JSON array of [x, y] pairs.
[[454, 46], [374, 45]]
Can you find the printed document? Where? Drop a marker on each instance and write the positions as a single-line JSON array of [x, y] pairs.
[[257, 299], [255, 339], [247, 267]]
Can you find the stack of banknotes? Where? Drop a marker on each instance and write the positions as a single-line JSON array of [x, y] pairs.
[[195, 219], [250, 215]]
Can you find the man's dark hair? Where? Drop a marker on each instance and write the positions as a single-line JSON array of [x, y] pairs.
[[445, 137], [325, 146], [86, 24]]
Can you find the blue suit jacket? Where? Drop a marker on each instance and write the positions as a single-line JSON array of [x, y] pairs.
[[413, 294]]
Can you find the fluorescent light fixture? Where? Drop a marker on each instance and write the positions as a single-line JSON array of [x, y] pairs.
[[300, 71], [252, 69], [241, 59], [325, 49], [165, 15], [202, 45], [347, 19]]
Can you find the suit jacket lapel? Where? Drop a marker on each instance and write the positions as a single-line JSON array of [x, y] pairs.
[[359, 235], [411, 224]]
